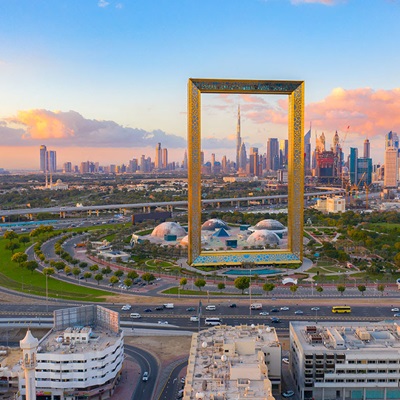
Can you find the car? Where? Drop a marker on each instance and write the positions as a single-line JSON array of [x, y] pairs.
[[190, 309], [126, 307], [274, 310], [395, 309], [314, 308], [183, 379], [163, 322], [284, 308], [396, 315], [211, 307], [285, 360], [264, 313], [288, 393], [275, 320], [145, 376], [148, 310], [298, 312], [233, 305], [159, 308]]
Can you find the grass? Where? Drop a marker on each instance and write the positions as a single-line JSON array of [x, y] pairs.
[[19, 279], [204, 293], [159, 263]]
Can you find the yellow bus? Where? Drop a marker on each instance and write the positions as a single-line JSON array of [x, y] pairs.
[[341, 309]]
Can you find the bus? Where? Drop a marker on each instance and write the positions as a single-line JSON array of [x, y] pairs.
[[341, 309], [213, 321]]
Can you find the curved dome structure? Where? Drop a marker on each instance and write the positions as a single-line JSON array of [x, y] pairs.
[[168, 228], [270, 224], [263, 237], [213, 224]]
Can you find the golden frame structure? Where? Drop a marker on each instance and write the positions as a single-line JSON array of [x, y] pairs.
[[295, 92]]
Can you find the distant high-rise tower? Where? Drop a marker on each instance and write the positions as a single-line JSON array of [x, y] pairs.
[[158, 158], [307, 152], [283, 152], [367, 149], [242, 158], [52, 167], [392, 140], [165, 158], [272, 154], [391, 167], [43, 151], [353, 167], [238, 141], [254, 161], [185, 160]]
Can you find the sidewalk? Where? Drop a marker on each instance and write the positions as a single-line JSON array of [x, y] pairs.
[[130, 376]]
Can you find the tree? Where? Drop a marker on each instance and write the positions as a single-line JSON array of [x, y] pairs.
[[319, 289], [87, 275], [83, 265], [293, 289], [74, 261], [105, 271], [113, 280], [242, 283], [128, 282], [221, 286], [362, 289], [98, 278], [341, 289], [76, 272], [118, 273], [397, 260], [30, 265], [19, 258], [48, 271], [268, 287], [10, 235], [133, 275], [200, 283], [183, 282], [381, 288], [148, 277], [12, 246], [94, 267], [24, 239], [67, 270]]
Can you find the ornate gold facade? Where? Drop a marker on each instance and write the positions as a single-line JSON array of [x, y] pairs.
[[295, 92]]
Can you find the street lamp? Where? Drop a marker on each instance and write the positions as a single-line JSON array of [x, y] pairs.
[[47, 295]]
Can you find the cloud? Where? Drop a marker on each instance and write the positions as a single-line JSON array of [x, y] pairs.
[[32, 127], [119, 6], [103, 3]]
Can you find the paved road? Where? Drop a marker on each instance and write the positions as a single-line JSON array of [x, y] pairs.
[[147, 362], [173, 384]]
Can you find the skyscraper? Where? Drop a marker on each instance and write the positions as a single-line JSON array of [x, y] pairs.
[[43, 151], [353, 159], [238, 141], [158, 158], [307, 152], [391, 167], [242, 158], [254, 161], [367, 149], [392, 140], [52, 166], [283, 152], [165, 158], [272, 154]]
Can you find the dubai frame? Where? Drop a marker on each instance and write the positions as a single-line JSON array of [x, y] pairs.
[[294, 251]]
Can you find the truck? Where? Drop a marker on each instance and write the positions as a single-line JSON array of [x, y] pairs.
[[169, 305], [256, 306]]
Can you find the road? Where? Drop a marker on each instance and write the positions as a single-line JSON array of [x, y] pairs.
[[147, 362], [174, 384]]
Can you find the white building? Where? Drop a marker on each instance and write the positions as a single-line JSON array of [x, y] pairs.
[[334, 204], [81, 357], [345, 360], [233, 362]]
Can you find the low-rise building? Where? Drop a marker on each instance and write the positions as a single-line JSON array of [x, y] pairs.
[[233, 362], [345, 360]]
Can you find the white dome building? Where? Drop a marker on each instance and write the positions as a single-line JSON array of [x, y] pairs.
[[168, 228], [270, 225], [263, 237], [213, 224]]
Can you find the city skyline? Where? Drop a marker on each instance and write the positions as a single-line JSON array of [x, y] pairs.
[[114, 84]]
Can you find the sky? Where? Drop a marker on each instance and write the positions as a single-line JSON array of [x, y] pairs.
[[105, 80]]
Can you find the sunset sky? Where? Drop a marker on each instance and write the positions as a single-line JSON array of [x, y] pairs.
[[105, 80]]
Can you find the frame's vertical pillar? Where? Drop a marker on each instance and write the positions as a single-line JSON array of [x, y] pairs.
[[194, 166]]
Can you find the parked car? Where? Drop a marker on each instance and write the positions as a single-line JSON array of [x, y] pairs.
[[288, 393]]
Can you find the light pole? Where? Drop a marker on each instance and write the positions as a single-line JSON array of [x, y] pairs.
[[47, 295]]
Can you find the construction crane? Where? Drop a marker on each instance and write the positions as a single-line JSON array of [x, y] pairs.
[[355, 187]]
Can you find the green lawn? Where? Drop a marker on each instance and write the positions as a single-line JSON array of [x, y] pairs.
[[159, 263], [19, 279]]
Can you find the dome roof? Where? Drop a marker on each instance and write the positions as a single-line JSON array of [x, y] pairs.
[[185, 241], [213, 224], [270, 224], [29, 341], [262, 237], [168, 228]]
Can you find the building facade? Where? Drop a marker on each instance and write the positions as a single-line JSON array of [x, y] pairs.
[[345, 360]]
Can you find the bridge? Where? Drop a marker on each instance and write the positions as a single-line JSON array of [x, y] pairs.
[[168, 205]]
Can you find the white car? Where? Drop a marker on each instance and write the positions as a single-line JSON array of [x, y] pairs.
[[284, 308], [298, 312], [314, 308], [395, 309], [285, 360], [163, 322], [264, 313], [126, 307], [145, 377]]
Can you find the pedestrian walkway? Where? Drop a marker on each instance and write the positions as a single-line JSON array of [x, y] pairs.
[[130, 377]]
